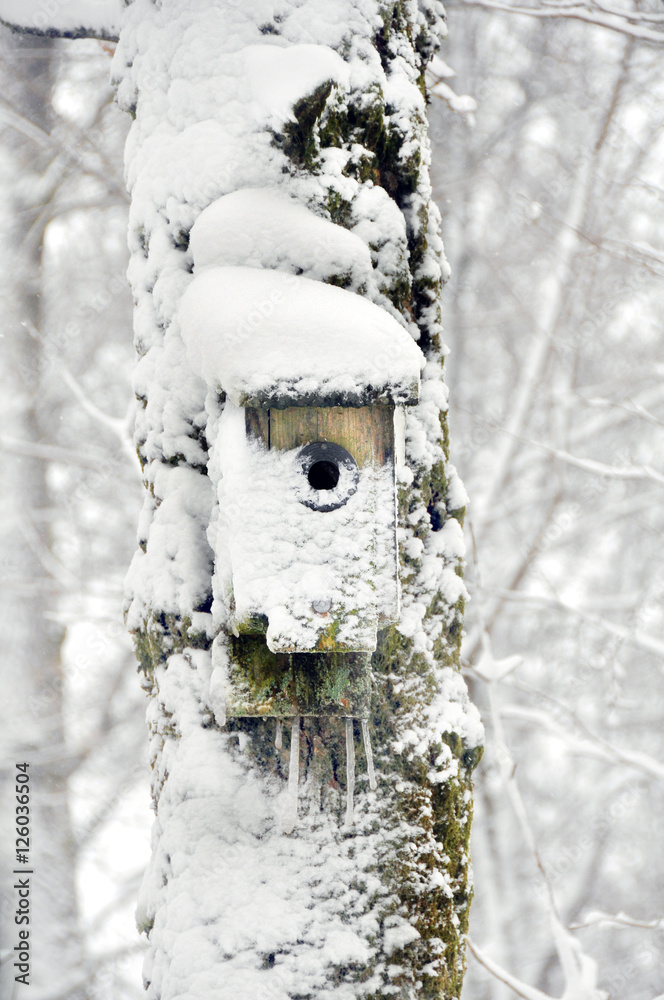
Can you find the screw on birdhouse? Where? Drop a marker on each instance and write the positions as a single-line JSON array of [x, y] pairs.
[[350, 772]]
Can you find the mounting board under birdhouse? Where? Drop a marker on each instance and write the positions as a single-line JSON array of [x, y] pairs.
[[261, 683]]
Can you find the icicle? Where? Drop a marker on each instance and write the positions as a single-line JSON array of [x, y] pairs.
[[293, 776], [350, 772], [368, 754], [278, 736]]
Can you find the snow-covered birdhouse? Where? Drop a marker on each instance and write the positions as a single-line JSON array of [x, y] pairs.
[[311, 381]]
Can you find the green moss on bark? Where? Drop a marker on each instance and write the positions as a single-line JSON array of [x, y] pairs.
[[161, 636], [437, 844]]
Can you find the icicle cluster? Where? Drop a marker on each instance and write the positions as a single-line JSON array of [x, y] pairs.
[[324, 102]]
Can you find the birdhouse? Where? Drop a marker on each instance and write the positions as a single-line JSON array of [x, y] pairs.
[[308, 384]]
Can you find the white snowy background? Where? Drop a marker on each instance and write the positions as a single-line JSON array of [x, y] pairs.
[[547, 161]]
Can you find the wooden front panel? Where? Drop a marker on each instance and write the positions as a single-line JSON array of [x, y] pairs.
[[257, 424], [367, 432]]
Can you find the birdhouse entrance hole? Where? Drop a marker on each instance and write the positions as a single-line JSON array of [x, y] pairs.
[[332, 474], [323, 475]]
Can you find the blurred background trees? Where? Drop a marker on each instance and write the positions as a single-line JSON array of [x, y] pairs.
[[553, 211], [553, 205], [69, 493]]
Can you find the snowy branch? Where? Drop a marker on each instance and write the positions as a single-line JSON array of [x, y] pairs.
[[601, 468], [25, 127], [520, 988], [71, 154], [612, 18], [50, 452], [64, 18], [578, 969], [119, 426], [52, 566], [616, 411], [634, 635], [438, 72], [630, 407], [618, 918], [591, 746], [67, 988], [552, 299]]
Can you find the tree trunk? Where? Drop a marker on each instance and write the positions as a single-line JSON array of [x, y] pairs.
[[323, 104]]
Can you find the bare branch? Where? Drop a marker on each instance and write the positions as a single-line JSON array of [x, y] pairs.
[[50, 452], [636, 636], [590, 13], [618, 918], [71, 19], [521, 989]]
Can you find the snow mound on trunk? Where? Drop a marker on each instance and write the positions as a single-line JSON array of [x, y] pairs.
[[261, 227]]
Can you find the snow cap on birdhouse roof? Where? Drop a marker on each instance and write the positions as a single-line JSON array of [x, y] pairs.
[[271, 339]]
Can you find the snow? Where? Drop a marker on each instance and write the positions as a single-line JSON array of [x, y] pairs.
[[100, 18], [264, 228], [279, 77], [265, 335], [398, 933], [184, 498], [456, 493]]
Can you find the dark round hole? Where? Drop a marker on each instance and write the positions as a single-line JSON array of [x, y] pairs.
[[332, 475], [323, 475]]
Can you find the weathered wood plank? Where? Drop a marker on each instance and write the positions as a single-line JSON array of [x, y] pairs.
[[367, 432], [257, 423]]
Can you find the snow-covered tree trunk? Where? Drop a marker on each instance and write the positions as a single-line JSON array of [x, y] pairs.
[[320, 104], [31, 670]]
